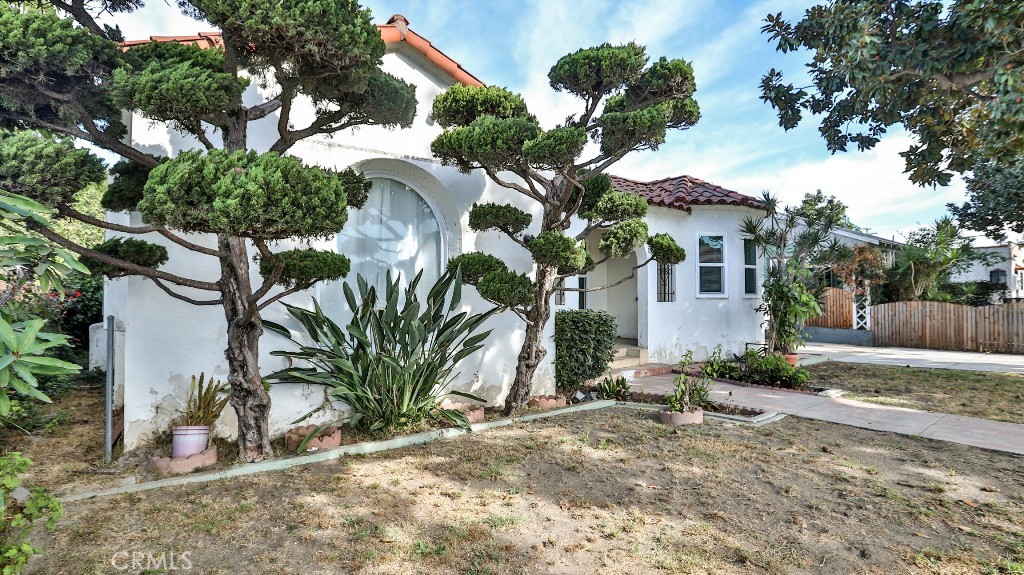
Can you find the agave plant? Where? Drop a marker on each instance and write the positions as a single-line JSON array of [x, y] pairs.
[[391, 363]]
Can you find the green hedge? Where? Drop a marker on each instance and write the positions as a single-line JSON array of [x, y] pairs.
[[584, 340]]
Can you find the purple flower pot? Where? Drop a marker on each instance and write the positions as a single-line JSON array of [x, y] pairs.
[[189, 440]]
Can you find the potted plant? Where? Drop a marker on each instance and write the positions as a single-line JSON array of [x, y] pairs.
[[685, 405], [191, 429]]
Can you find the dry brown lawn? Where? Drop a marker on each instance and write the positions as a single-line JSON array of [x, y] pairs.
[[998, 396], [609, 491]]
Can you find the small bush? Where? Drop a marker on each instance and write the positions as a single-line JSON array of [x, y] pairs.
[[715, 366], [616, 388], [584, 340], [82, 307], [19, 517], [773, 371], [690, 393]]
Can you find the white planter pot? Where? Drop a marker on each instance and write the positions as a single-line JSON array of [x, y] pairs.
[[189, 440]]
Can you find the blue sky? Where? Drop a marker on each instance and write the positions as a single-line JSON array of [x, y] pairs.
[[737, 143]]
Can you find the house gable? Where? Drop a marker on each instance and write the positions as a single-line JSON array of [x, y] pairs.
[[396, 34]]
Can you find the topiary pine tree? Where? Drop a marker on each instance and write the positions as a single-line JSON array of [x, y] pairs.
[[951, 73], [65, 76], [627, 105]]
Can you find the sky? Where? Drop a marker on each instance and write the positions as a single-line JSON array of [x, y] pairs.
[[737, 143]]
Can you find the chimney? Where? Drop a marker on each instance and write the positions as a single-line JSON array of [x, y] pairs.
[[400, 22]]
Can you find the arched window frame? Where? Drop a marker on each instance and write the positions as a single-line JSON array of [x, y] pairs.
[[425, 196]]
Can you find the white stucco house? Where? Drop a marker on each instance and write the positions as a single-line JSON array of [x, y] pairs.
[[1005, 266], [417, 218]]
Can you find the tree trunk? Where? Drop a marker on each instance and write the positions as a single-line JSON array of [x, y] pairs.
[[532, 352], [248, 396]]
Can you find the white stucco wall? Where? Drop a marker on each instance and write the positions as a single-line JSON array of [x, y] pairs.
[[693, 321], [698, 323], [167, 340]]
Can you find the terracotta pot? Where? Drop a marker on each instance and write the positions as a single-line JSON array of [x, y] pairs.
[[792, 359], [177, 465], [547, 401], [678, 418], [473, 412], [328, 438], [189, 440]]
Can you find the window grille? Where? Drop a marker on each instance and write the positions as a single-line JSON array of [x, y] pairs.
[[583, 294], [559, 294], [666, 282]]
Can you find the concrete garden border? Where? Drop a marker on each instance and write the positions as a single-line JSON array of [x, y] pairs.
[[384, 445]]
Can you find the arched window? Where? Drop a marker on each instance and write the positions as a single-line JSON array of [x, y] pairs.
[[395, 231]]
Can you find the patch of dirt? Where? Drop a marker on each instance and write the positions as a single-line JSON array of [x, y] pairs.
[[69, 456], [607, 491], [997, 396]]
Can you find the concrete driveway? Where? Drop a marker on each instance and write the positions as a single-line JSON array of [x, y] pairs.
[[966, 360]]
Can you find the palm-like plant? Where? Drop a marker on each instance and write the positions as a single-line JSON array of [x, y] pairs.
[[390, 363], [797, 253]]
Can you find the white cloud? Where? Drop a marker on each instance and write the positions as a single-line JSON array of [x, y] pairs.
[[156, 18], [872, 184]]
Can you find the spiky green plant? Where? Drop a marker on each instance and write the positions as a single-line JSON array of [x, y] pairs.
[[616, 388], [203, 406], [390, 363]]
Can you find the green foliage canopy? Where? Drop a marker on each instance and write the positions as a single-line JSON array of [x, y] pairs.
[[951, 75], [249, 194]]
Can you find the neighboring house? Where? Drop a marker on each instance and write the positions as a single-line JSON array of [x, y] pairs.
[[854, 238], [1007, 266], [417, 218]]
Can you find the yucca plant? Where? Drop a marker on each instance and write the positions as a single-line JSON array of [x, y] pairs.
[[203, 406], [392, 362]]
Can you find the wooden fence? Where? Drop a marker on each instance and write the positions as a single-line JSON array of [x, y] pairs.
[[949, 326], [837, 306]]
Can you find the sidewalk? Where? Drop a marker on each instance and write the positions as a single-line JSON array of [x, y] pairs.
[[931, 358], [994, 435]]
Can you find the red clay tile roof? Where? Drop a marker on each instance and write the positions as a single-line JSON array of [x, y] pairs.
[[684, 192], [395, 31]]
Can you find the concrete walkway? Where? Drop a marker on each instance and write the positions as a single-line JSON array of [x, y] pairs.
[[934, 358], [994, 435]]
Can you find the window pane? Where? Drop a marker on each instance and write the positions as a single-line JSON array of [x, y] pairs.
[[710, 250], [749, 253], [395, 231], [750, 280], [711, 280]]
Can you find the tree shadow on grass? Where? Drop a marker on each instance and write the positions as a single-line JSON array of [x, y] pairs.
[[608, 491]]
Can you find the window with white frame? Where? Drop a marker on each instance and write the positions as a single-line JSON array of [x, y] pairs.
[[711, 265], [666, 282], [749, 267]]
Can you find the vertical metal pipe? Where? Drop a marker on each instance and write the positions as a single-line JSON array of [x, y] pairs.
[[109, 431]]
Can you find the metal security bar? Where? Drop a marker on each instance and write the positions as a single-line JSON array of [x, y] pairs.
[[666, 282]]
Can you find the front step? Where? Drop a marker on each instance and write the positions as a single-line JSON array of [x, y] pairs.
[[635, 371], [622, 351]]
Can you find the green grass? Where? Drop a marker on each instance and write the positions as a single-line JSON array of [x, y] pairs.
[[997, 396]]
